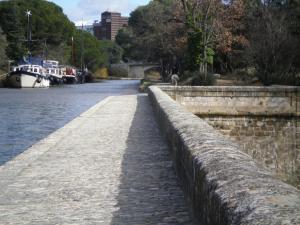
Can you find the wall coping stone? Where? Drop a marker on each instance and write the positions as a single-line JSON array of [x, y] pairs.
[[277, 88], [223, 185], [238, 101]]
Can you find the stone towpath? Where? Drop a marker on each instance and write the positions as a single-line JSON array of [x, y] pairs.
[[108, 166]]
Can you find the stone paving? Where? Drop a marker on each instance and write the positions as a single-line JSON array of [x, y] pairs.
[[108, 166]]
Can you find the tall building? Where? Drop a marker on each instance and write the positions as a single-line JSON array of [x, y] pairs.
[[111, 23], [97, 29]]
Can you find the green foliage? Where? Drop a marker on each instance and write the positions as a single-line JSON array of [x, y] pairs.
[[13, 29], [48, 23], [126, 40], [200, 79], [87, 47], [195, 56], [3, 45], [112, 51], [194, 48], [61, 52], [95, 53], [155, 35], [210, 55]]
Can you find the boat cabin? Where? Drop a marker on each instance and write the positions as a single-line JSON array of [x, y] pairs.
[[29, 68]]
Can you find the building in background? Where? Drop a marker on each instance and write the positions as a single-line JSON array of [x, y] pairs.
[[111, 23], [97, 28], [107, 28]]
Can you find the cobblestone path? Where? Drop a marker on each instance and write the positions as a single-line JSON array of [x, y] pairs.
[[108, 166]]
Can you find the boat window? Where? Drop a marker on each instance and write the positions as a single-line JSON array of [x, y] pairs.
[[24, 68], [35, 70]]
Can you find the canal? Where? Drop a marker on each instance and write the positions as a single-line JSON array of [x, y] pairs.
[[29, 115]]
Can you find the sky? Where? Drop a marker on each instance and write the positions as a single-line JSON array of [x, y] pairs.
[[90, 10]]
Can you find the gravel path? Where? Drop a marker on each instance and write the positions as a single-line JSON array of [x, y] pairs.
[[108, 166]]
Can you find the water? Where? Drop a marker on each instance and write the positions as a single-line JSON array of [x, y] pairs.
[[29, 115]]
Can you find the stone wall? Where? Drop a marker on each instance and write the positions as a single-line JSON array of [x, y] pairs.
[[136, 71], [237, 100], [271, 141], [263, 120], [223, 184]]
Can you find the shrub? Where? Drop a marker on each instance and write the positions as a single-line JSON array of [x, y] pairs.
[[118, 72], [101, 73], [200, 79]]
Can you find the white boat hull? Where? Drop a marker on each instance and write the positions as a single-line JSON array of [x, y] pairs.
[[22, 80]]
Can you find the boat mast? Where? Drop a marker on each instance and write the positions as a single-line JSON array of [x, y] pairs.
[[45, 53], [82, 48], [73, 52], [28, 14]]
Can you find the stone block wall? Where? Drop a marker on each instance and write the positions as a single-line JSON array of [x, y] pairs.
[[223, 184], [214, 100], [264, 121], [271, 141]]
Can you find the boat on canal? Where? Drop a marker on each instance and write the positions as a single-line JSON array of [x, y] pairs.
[[53, 71], [28, 74], [69, 74]]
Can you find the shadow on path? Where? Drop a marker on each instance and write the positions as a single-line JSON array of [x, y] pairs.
[[148, 192]]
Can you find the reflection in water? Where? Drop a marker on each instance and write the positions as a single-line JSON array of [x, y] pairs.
[[28, 115]]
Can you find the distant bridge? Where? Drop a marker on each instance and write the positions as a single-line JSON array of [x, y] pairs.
[[137, 70]]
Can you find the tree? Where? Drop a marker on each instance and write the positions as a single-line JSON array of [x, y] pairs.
[[93, 53], [112, 51], [11, 25], [212, 26], [128, 41], [156, 33], [3, 45], [274, 42], [294, 12], [48, 23]]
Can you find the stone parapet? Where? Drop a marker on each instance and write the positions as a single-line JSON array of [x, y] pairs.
[[223, 184], [277, 100]]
